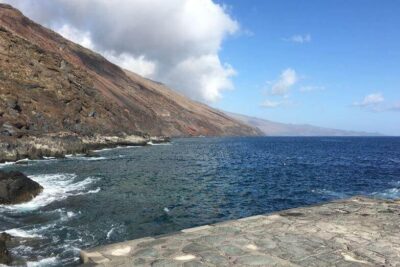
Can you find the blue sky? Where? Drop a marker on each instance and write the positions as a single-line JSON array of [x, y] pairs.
[[344, 54]]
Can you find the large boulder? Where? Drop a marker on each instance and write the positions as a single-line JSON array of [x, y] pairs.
[[15, 188], [5, 257]]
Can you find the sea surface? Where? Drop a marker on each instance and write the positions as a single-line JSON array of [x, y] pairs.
[[132, 192]]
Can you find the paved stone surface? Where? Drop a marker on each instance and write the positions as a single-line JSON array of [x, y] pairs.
[[353, 232]]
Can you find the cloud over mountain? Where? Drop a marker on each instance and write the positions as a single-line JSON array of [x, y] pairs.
[[176, 41]]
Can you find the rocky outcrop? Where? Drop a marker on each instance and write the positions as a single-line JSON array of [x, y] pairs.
[[15, 187], [5, 256], [59, 145]]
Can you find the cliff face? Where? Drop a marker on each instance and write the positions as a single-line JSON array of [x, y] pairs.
[[51, 85]]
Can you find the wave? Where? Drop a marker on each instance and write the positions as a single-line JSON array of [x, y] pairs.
[[26, 160], [114, 148], [65, 215], [17, 232], [93, 191], [391, 193], [150, 143], [395, 160], [74, 155], [109, 233], [83, 157], [56, 187], [7, 163], [52, 261], [329, 193]]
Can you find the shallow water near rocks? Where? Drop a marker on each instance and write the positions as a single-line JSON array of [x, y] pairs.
[[127, 193]]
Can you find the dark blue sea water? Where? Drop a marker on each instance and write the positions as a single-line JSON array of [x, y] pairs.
[[127, 193]]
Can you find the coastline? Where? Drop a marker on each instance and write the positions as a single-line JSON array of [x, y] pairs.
[[60, 145], [152, 189]]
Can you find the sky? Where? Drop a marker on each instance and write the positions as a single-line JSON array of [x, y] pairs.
[[331, 63]]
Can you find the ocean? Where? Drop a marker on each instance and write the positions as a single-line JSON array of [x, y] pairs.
[[132, 192]]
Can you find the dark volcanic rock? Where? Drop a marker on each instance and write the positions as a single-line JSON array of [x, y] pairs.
[[16, 188], [5, 257]]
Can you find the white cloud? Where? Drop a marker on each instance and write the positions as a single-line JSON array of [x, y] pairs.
[[300, 39], [77, 36], [311, 88], [377, 103], [286, 80], [370, 100], [125, 60], [271, 104], [205, 72], [169, 41], [139, 64], [395, 107]]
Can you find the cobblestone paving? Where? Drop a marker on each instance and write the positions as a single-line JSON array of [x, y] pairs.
[[353, 232]]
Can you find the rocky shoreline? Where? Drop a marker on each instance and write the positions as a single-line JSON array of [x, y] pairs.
[[38, 147], [15, 188]]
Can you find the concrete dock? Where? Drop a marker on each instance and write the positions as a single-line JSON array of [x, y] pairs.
[[353, 232]]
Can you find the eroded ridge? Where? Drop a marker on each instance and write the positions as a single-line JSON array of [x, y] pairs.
[[353, 232]]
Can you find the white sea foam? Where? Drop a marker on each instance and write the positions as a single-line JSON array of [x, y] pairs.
[[36, 232], [94, 158], [93, 191], [65, 215], [157, 144], [21, 249], [24, 160], [74, 155], [392, 193], [109, 233], [87, 158], [23, 233], [329, 193], [113, 148], [162, 144], [395, 183], [103, 149], [2, 165], [56, 187], [52, 261]]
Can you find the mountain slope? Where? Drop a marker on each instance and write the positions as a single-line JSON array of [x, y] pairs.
[[51, 85], [270, 128]]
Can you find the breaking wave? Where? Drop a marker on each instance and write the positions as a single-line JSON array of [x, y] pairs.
[[56, 187], [392, 193], [52, 261]]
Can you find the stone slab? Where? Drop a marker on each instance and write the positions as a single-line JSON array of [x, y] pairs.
[[353, 232]]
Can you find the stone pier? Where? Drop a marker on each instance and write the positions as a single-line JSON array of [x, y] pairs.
[[353, 232]]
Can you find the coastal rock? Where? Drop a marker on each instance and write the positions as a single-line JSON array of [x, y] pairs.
[[5, 256], [15, 187], [13, 149]]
